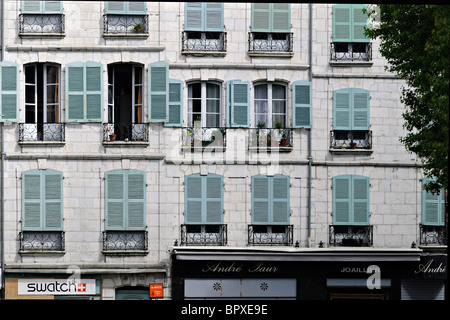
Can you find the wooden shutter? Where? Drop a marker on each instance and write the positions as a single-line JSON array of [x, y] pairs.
[[135, 191], [193, 15], [193, 199], [136, 7], [342, 109], [433, 206], [361, 111], [261, 17], [351, 200], [301, 104], [114, 189], [52, 6], [360, 192], [31, 200], [9, 91], [341, 199], [158, 91], [281, 17], [280, 196], [213, 16], [270, 199], [53, 192], [260, 199], [175, 103], [239, 103], [342, 23], [94, 92], [116, 7], [213, 199], [358, 23]]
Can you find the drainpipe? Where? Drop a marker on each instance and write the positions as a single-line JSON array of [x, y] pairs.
[[309, 130], [2, 173]]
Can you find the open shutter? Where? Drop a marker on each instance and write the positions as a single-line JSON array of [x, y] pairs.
[[94, 92], [280, 204], [342, 23], [341, 109], [361, 110], [433, 206], [115, 181], [341, 200], [135, 190], [9, 96], [359, 22], [281, 17], [301, 104], [260, 199], [214, 199], [193, 16], [239, 103], [53, 192], [158, 91], [31, 200], [175, 103], [213, 20], [360, 186], [261, 17], [193, 199]]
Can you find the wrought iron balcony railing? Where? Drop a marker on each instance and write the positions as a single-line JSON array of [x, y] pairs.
[[196, 137], [41, 24], [348, 51], [433, 235], [203, 235], [350, 139], [204, 41], [279, 139], [125, 241], [42, 241], [270, 235], [125, 132], [125, 24], [29, 132], [270, 42], [350, 236]]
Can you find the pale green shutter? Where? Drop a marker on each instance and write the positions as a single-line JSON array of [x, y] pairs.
[[361, 109], [239, 103], [342, 23], [193, 16], [52, 6], [175, 103], [342, 109], [261, 17], [94, 92], [360, 192], [31, 200], [213, 199], [301, 104], [9, 91], [115, 198], [433, 206], [260, 199], [136, 7], [53, 200], [135, 189], [359, 22], [158, 91], [193, 199], [351, 200], [281, 17], [213, 16], [341, 200], [280, 199], [115, 7], [29, 6]]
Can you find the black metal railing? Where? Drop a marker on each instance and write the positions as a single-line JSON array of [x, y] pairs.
[[42, 241], [433, 235], [125, 241], [350, 139], [196, 137], [270, 235], [350, 236], [348, 51], [41, 24], [281, 139], [270, 42], [204, 41], [124, 24], [41, 132], [125, 132], [204, 235]]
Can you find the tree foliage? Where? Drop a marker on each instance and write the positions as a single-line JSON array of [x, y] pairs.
[[415, 42]]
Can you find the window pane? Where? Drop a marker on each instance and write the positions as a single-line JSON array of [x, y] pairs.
[[261, 91], [212, 91], [278, 92], [52, 94], [52, 74], [278, 107], [212, 106]]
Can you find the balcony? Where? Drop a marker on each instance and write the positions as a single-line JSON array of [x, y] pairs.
[[433, 236], [269, 140], [125, 133], [196, 138], [121, 242], [41, 241], [41, 25], [350, 236], [125, 25], [343, 141], [203, 235], [351, 54], [41, 132], [270, 235], [270, 44], [201, 43]]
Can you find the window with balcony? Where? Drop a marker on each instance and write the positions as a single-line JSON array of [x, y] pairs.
[[203, 211], [42, 211], [270, 29], [125, 18], [9, 91], [349, 42], [270, 211], [42, 18], [432, 228], [204, 29]]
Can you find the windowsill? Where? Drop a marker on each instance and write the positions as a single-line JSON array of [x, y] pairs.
[[204, 53], [126, 35], [350, 63], [42, 143], [125, 253], [271, 149], [352, 151], [201, 148], [270, 54], [118, 144], [41, 35], [50, 252]]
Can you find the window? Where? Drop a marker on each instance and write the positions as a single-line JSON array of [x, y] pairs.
[[203, 210], [433, 231], [42, 210], [204, 104], [270, 104], [125, 223], [349, 41], [204, 27], [42, 103], [125, 18], [9, 91], [41, 18]]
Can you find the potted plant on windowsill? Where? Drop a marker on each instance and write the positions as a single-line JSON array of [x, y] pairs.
[[261, 137], [138, 28]]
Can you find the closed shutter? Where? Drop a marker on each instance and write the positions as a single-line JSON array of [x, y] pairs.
[[280, 204], [136, 183], [126, 7], [136, 7], [115, 182], [361, 110], [239, 103], [31, 200], [193, 199], [94, 96], [349, 22], [193, 13], [214, 199], [53, 200], [203, 16], [261, 16], [270, 199], [341, 200], [158, 91], [359, 23], [281, 17], [52, 6], [433, 207], [351, 109], [422, 290], [40, 7], [271, 17], [341, 109], [351, 200], [260, 199], [301, 104], [360, 200], [175, 103], [9, 91]]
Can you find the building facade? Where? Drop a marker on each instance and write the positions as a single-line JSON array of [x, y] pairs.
[[221, 150]]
